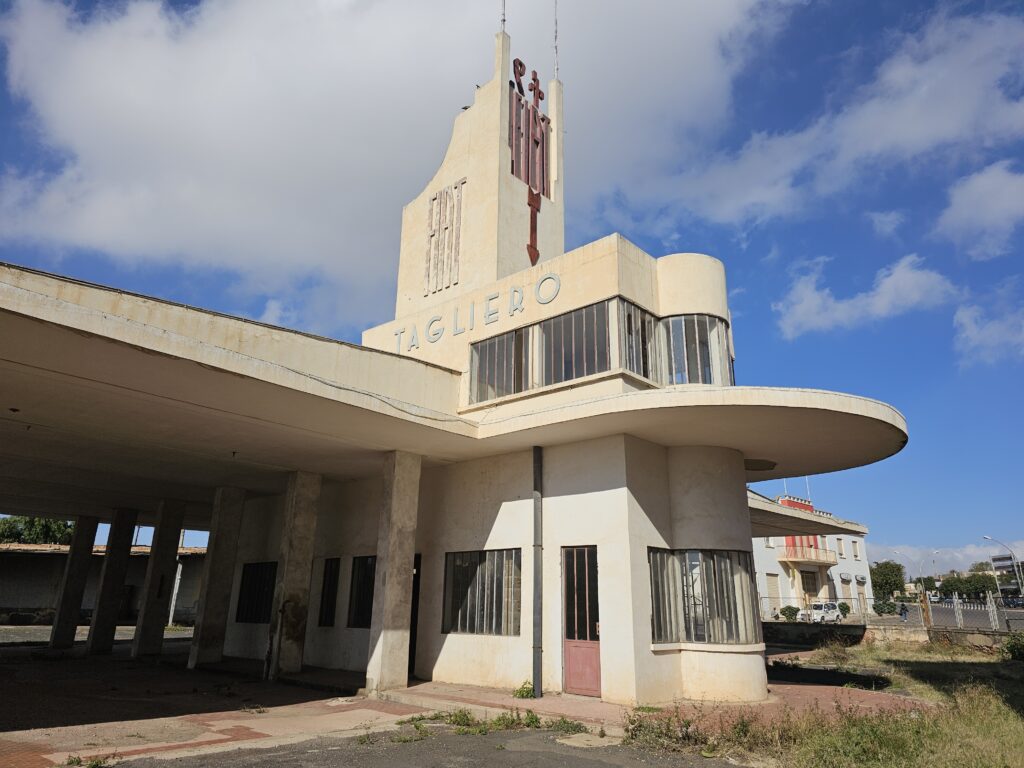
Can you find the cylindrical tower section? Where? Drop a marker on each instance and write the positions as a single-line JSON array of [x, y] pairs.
[[719, 625]]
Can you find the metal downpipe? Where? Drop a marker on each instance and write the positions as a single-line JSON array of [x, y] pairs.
[[538, 571]]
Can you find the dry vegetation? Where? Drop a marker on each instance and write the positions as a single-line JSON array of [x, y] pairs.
[[971, 715]]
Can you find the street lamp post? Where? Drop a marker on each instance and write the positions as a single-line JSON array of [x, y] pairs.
[[920, 565], [1017, 574]]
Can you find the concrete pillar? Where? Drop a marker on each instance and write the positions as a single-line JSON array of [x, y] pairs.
[[156, 590], [392, 591], [294, 571], [111, 589], [217, 578], [72, 586], [708, 497]]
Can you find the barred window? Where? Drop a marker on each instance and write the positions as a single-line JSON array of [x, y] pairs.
[[329, 591], [687, 349], [697, 350], [256, 593], [482, 592], [703, 596], [558, 349], [360, 598]]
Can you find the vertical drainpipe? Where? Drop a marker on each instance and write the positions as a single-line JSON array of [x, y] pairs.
[[538, 570]]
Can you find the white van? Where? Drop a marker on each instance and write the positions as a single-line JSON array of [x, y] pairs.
[[819, 613]]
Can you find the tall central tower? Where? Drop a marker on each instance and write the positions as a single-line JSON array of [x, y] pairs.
[[495, 205]]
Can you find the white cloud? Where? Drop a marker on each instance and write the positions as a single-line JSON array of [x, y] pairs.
[[899, 288], [984, 209], [927, 562], [279, 140], [946, 88], [885, 223], [988, 335]]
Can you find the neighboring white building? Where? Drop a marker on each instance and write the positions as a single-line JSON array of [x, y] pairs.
[[800, 569], [536, 471]]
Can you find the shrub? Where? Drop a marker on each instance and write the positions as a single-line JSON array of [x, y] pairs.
[[1013, 646], [524, 691], [844, 608], [884, 607], [790, 612]]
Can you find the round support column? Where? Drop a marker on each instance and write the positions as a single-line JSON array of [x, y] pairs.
[[708, 497]]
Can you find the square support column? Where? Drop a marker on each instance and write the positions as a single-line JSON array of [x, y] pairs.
[[218, 578], [294, 571], [160, 570], [72, 585], [392, 591], [111, 589]]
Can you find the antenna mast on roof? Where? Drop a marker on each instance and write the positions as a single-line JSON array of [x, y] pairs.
[[556, 39], [807, 480], [502, 15]]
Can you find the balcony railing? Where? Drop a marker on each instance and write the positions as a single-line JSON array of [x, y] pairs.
[[808, 555]]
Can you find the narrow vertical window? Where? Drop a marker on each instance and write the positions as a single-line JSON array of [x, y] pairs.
[[360, 601], [329, 591]]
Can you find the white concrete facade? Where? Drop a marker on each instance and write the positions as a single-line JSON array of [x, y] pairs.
[[524, 400], [799, 570]]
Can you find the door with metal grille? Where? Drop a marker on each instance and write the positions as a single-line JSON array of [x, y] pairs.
[[581, 651]]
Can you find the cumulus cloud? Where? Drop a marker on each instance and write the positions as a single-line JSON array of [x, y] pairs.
[[988, 335], [279, 141], [947, 87], [984, 209], [926, 561], [899, 288], [885, 223]]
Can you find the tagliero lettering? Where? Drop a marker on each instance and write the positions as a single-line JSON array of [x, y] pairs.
[[489, 311]]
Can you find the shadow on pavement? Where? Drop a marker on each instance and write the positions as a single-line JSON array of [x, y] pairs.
[[41, 690]]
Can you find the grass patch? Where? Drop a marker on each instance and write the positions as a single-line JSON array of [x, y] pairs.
[[90, 762], [566, 726], [419, 733], [465, 723], [973, 717]]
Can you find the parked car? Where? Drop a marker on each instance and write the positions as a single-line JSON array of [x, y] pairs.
[[820, 613]]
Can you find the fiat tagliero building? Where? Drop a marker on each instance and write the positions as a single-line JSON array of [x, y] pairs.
[[538, 471]]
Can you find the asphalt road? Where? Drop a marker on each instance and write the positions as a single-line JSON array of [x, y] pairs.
[[974, 618], [519, 749]]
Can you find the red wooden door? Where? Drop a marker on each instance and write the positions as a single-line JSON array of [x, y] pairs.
[[581, 650]]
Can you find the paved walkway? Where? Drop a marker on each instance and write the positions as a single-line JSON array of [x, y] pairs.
[[489, 702], [54, 706]]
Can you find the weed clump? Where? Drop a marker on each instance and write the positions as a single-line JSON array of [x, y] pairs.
[[524, 691]]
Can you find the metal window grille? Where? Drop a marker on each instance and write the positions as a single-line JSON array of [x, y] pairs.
[[703, 596], [559, 349], [329, 591], [482, 592], [256, 593], [360, 599]]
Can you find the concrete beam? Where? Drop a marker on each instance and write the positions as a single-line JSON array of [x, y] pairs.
[[294, 570], [392, 596], [72, 585], [156, 590], [218, 578], [111, 589]]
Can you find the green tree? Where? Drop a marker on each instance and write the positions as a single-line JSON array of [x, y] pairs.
[[34, 530], [928, 582], [981, 566], [887, 578]]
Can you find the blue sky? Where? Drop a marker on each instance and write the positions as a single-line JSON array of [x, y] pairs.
[[857, 166]]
